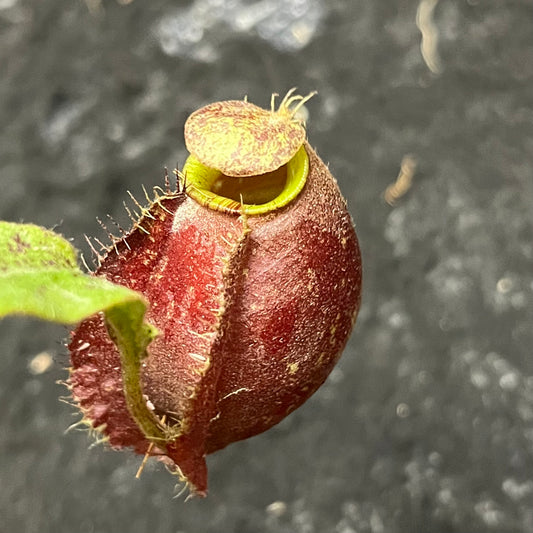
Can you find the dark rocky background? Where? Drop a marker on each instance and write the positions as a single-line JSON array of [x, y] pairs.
[[427, 422]]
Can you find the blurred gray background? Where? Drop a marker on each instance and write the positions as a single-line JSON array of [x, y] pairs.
[[426, 425]]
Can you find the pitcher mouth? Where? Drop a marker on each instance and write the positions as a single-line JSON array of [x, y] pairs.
[[250, 195]]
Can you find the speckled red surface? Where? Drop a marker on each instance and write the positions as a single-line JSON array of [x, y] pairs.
[[252, 318]]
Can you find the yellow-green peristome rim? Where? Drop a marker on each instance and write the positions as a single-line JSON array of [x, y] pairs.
[[201, 180]]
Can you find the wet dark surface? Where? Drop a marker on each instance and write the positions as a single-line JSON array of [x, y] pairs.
[[427, 422]]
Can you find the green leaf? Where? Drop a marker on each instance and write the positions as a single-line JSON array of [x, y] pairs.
[[39, 277]]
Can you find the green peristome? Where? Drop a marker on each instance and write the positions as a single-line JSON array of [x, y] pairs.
[[254, 195], [39, 277]]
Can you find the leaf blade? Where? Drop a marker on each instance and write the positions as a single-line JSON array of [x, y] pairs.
[[64, 296]]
